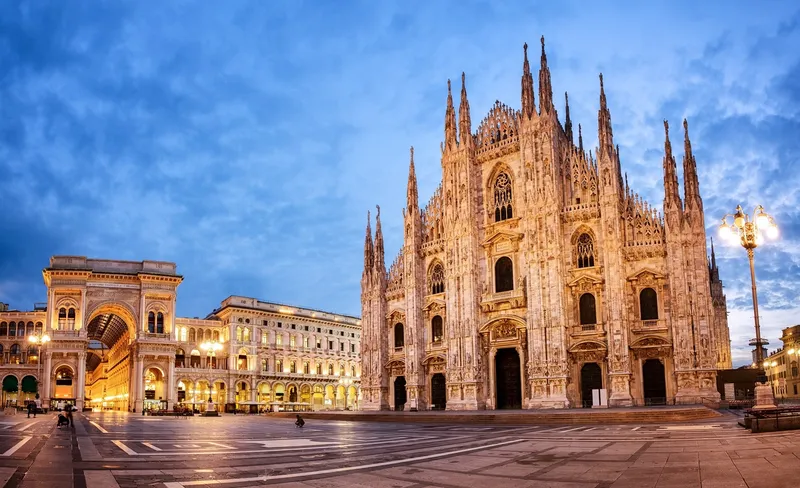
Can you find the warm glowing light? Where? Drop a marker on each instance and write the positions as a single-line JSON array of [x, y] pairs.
[[759, 239], [772, 232], [724, 231], [762, 219], [791, 351]]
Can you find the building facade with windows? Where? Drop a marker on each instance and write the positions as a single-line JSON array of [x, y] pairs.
[[782, 366], [108, 338], [535, 275]]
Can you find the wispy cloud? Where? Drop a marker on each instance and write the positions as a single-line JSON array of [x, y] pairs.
[[246, 141]]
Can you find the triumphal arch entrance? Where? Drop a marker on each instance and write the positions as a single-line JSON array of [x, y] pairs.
[[111, 330]]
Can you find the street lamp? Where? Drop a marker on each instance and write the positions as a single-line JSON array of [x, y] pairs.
[[41, 341], [749, 233], [211, 347]]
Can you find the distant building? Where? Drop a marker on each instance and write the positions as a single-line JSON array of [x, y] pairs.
[[782, 365], [115, 344]]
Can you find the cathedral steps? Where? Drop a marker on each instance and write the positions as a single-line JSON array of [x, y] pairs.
[[645, 415]]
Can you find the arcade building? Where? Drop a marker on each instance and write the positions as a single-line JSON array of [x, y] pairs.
[[108, 339]]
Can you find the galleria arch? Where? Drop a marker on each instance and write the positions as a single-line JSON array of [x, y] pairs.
[[115, 344]]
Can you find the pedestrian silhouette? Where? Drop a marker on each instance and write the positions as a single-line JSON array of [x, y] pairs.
[[300, 422]]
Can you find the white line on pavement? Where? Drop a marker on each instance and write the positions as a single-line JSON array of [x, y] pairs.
[[29, 426], [16, 446], [178, 484], [151, 446], [104, 431]]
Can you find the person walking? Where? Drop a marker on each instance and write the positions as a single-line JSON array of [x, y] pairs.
[[31, 409]]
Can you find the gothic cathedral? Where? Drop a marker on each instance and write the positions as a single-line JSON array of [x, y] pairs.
[[536, 278]]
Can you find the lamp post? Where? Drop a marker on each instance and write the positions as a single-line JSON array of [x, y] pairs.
[[41, 341], [346, 382], [211, 347], [749, 233]]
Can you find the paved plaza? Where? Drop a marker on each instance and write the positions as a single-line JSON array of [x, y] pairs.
[[127, 450]]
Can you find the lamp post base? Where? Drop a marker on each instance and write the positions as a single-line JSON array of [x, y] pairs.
[[764, 397]]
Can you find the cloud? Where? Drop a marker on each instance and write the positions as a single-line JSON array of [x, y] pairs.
[[246, 141]]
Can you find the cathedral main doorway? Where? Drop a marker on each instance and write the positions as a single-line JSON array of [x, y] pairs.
[[508, 380], [591, 379], [654, 382], [399, 392], [438, 392]]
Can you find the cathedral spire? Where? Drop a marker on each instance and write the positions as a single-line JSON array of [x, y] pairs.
[[464, 122], [545, 89], [580, 138], [380, 265], [671, 196], [713, 270], [369, 257], [528, 102], [691, 185], [412, 196], [568, 121], [604, 132], [450, 141]]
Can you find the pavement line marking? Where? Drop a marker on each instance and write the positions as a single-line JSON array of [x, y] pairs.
[[573, 429], [151, 446], [29, 426], [125, 448], [178, 484], [104, 431], [16, 446], [220, 445], [637, 428]]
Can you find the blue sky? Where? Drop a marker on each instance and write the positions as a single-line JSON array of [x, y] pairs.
[[246, 140]]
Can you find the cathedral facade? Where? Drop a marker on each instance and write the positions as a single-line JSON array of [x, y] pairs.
[[536, 278]]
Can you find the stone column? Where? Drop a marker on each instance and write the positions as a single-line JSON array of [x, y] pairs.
[[491, 396], [44, 394], [171, 392], [137, 388], [80, 394], [522, 375]]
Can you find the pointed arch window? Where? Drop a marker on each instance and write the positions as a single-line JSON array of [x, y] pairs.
[[151, 322], [503, 275], [585, 251], [399, 336], [588, 309], [437, 279], [437, 328], [503, 198], [160, 323], [648, 304]]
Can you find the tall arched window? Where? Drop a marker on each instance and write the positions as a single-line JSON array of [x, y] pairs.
[[503, 208], [279, 366], [330, 369], [12, 329], [180, 358], [192, 336], [293, 367], [399, 336], [71, 319], [585, 251], [306, 369], [246, 334], [503, 275], [183, 334], [239, 334], [437, 279], [151, 322], [437, 329], [648, 304], [62, 318], [21, 329], [3, 328], [160, 323], [588, 310]]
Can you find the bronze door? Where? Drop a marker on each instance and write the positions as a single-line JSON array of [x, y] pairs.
[[591, 379], [508, 381], [399, 392], [655, 383], [438, 392]]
